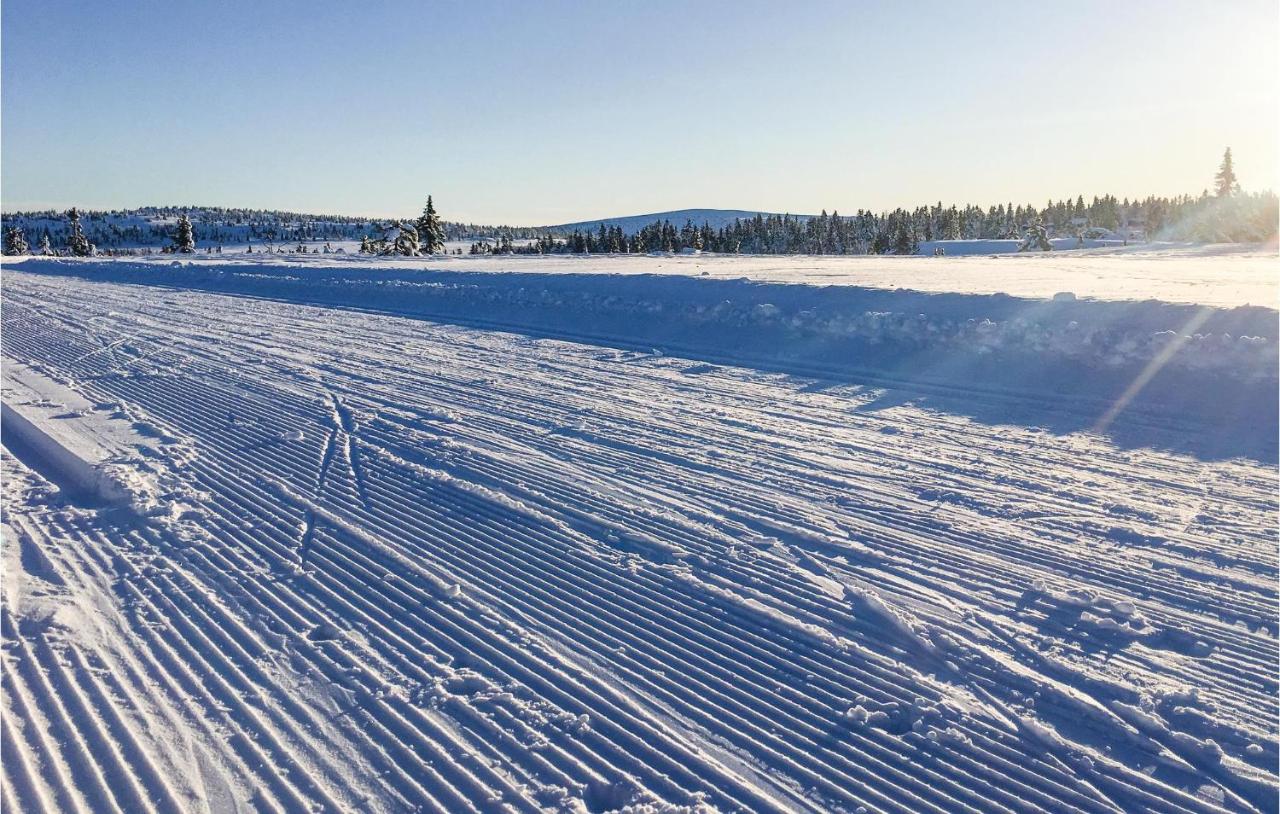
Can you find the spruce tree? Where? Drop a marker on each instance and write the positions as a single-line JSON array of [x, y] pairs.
[[15, 242], [1225, 183], [429, 229], [46, 248], [903, 241], [184, 242], [77, 243]]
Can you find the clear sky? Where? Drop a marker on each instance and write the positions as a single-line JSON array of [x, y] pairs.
[[546, 112]]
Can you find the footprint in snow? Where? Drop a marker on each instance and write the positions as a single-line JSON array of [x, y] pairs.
[[324, 633]]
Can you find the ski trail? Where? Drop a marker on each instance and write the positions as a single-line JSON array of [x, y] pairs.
[[343, 433], [326, 460], [307, 538], [552, 581]]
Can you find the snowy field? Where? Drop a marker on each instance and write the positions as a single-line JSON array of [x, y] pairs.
[[1218, 275], [597, 534]]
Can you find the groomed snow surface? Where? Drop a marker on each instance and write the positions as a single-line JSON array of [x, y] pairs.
[[330, 535]]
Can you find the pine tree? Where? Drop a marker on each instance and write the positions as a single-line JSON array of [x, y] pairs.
[[76, 241], [46, 248], [184, 242], [430, 230], [1225, 184], [15, 242]]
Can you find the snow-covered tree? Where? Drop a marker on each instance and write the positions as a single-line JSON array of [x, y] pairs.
[[15, 242], [904, 240], [406, 243], [430, 230], [1037, 237], [77, 243], [184, 242], [382, 244], [46, 248], [1225, 183]]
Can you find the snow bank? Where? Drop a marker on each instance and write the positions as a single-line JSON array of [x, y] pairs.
[[61, 463], [799, 327], [1000, 246], [93, 455]]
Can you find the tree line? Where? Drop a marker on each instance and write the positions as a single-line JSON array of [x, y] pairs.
[[121, 231], [1223, 215], [1227, 214]]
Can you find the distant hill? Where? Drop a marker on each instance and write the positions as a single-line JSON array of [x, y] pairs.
[[718, 218], [153, 226]]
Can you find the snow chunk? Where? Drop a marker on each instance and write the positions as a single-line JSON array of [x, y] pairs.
[[904, 623]]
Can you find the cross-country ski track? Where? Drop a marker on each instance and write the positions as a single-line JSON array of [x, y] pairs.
[[358, 561]]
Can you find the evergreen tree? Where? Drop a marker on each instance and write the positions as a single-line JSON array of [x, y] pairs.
[[77, 243], [903, 240], [1037, 238], [185, 241], [406, 243], [46, 248], [1225, 183], [430, 230], [15, 242], [382, 244]]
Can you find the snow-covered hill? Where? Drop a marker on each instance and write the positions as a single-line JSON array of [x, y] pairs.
[[234, 229]]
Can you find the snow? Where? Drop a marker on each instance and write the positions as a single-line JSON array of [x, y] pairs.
[[604, 534], [1225, 275], [89, 450]]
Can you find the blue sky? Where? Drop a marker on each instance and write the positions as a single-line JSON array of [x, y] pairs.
[[549, 112]]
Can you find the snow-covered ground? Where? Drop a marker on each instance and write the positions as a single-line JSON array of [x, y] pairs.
[[1218, 275], [346, 534]]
